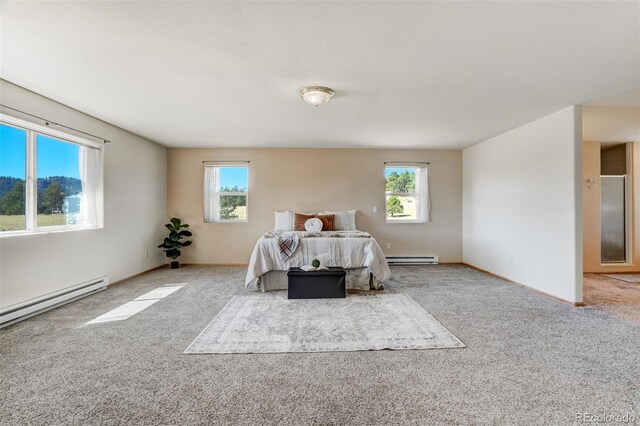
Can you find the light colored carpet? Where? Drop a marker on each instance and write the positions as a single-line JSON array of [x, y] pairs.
[[270, 323], [630, 278], [529, 360]]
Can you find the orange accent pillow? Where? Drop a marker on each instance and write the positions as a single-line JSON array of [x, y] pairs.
[[300, 220], [327, 221]]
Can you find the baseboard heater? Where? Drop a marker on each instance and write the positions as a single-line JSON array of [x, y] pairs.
[[13, 314], [412, 260]]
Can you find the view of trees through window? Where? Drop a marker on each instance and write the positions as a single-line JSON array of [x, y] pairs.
[[400, 192], [233, 206], [233, 185], [58, 184]]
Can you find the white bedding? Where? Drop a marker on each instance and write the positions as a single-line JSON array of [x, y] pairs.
[[348, 249]]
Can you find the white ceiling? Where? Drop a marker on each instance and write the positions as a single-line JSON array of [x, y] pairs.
[[418, 74]]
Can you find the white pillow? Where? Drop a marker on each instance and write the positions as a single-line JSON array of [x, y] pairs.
[[344, 221], [352, 220], [284, 221], [313, 225]]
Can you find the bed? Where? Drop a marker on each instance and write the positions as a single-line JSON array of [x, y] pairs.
[[355, 251]]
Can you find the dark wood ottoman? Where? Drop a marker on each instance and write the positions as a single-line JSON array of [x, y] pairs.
[[317, 284]]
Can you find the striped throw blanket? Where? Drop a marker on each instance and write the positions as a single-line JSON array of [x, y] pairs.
[[287, 244]]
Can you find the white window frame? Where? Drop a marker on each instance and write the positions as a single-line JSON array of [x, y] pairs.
[[31, 179], [216, 195], [415, 194]]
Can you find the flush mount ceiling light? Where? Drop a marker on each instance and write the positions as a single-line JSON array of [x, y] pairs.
[[316, 95]]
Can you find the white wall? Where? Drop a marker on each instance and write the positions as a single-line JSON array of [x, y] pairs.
[[135, 211], [522, 205]]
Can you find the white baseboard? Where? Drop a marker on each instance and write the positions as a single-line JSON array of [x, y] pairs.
[[14, 313]]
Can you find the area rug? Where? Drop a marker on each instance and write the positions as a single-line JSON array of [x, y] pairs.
[[270, 323], [630, 278]]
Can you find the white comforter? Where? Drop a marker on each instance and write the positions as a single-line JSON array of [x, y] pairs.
[[354, 250]]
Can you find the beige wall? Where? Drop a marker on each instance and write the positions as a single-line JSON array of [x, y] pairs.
[[317, 179], [591, 205], [611, 124]]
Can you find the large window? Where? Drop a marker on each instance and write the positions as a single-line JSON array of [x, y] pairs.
[[226, 192], [407, 193], [49, 180]]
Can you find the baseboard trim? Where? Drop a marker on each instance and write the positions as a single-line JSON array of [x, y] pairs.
[[135, 275], [166, 265], [524, 286], [214, 264]]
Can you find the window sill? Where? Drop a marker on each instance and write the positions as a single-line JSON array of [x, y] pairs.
[[229, 221], [57, 230], [405, 221]]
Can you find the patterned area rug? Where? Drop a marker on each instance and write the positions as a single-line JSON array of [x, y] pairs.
[[630, 278], [270, 323]]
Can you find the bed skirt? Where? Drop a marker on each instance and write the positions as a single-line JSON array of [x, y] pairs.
[[357, 279]]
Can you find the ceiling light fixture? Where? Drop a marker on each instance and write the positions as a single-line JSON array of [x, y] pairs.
[[316, 95]]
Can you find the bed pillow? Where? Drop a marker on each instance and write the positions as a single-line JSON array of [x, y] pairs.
[[352, 220], [327, 221], [284, 221], [344, 221], [300, 220], [313, 225]]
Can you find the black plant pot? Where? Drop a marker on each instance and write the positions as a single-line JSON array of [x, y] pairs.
[[175, 264]]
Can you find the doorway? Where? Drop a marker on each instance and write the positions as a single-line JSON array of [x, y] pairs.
[[611, 208], [611, 197]]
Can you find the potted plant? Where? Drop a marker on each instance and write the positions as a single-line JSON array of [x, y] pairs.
[[172, 244]]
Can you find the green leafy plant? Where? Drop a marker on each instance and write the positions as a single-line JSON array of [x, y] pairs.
[[394, 206], [315, 263], [12, 203], [401, 182], [172, 245], [52, 199], [229, 204]]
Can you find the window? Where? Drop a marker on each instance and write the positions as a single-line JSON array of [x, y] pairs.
[[407, 193], [49, 180], [13, 175], [226, 192]]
